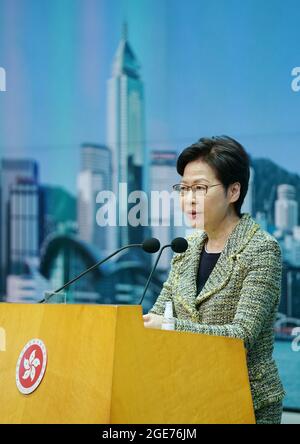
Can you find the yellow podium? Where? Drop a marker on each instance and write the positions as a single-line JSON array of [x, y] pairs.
[[103, 366]]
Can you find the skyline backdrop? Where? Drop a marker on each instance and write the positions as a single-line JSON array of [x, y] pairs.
[[206, 68], [217, 68]]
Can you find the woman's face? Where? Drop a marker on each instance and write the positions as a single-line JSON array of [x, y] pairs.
[[206, 210]]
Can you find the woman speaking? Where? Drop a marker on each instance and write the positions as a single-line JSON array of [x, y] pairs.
[[228, 281]]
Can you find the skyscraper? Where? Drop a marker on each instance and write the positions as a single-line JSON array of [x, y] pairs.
[[163, 175], [95, 176], [13, 172], [125, 130], [286, 208], [24, 224], [24, 282], [248, 204]]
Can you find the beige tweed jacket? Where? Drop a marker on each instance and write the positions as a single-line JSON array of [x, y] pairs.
[[240, 299]]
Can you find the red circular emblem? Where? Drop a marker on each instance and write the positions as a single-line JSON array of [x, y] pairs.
[[31, 366]]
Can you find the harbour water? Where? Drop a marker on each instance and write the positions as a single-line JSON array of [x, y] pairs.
[[288, 362]]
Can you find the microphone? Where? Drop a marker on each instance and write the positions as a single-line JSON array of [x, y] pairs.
[[178, 245], [151, 245]]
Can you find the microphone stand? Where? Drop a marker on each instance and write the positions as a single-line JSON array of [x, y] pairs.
[[153, 269], [88, 270]]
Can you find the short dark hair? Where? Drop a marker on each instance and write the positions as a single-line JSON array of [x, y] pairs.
[[227, 157]]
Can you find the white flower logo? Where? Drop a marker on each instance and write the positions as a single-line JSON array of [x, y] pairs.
[[30, 365]]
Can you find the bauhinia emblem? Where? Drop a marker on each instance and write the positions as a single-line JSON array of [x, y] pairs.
[[31, 366]]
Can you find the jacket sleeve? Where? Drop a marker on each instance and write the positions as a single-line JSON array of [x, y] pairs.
[[166, 292], [258, 301]]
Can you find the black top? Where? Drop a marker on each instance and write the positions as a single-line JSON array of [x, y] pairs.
[[206, 265]]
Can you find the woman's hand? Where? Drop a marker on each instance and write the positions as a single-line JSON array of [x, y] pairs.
[[152, 320]]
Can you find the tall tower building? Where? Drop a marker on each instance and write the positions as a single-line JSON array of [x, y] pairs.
[[13, 193], [286, 208], [126, 130], [24, 225], [248, 204], [95, 176]]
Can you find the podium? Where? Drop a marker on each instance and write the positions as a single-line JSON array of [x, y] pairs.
[[104, 366]]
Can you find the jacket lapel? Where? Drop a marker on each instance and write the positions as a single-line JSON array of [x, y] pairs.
[[217, 279], [221, 273]]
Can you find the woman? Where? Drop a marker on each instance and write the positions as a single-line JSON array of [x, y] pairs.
[[228, 281]]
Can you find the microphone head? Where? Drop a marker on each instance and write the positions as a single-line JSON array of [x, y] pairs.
[[179, 245], [151, 245]]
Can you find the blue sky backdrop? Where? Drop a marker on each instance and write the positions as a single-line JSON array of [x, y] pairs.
[[217, 67]]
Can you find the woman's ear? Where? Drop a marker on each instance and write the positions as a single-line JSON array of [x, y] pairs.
[[234, 191]]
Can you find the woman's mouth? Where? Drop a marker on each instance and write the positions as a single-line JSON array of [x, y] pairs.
[[194, 214]]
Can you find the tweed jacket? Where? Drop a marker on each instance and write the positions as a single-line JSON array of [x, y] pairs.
[[239, 299]]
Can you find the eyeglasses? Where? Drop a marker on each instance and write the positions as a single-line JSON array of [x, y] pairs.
[[197, 188]]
